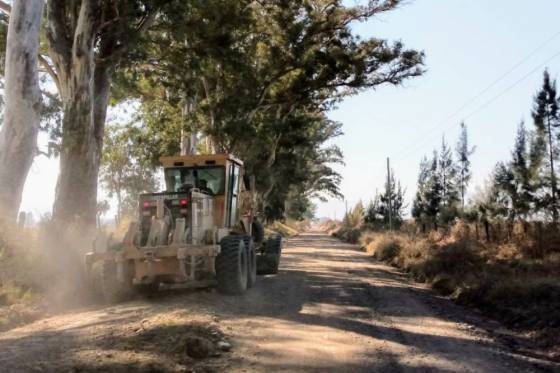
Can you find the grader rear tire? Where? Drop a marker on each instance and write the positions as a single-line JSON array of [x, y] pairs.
[[106, 284], [147, 290], [232, 266]]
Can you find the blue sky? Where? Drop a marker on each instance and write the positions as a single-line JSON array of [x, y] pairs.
[[468, 45]]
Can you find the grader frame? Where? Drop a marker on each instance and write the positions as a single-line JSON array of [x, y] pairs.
[[194, 234]]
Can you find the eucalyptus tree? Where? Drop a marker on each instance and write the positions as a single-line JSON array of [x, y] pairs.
[[245, 72], [87, 41], [18, 135], [124, 173]]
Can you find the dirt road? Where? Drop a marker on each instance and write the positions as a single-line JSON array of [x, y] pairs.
[[330, 309]]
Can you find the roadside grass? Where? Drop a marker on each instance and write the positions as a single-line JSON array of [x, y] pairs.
[[21, 276], [330, 226], [347, 233], [503, 280], [288, 228], [40, 272]]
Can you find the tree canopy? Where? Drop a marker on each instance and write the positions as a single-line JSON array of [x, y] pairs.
[[256, 79]]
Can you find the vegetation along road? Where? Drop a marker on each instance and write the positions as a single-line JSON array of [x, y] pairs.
[[329, 309]]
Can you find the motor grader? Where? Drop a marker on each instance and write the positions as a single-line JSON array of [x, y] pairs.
[[201, 231]]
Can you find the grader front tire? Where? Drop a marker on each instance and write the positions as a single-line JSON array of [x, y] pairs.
[[106, 284], [269, 262], [232, 266], [252, 261]]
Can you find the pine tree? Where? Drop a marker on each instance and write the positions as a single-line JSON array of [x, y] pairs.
[[394, 193], [434, 191], [547, 122], [371, 216], [464, 152], [517, 181], [427, 204], [448, 182], [377, 211], [419, 205]]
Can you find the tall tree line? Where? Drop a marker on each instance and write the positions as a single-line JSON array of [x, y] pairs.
[[254, 77], [264, 93], [443, 181], [523, 188]]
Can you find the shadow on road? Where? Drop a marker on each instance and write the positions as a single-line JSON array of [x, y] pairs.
[[326, 292]]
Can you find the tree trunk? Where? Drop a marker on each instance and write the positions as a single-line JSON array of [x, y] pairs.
[[102, 89], [84, 128], [76, 189], [552, 172], [487, 230], [18, 136], [84, 74]]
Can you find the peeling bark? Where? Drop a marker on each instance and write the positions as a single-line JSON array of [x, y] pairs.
[[85, 46], [76, 189], [85, 89], [18, 136]]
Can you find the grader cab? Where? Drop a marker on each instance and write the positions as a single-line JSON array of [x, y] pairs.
[[201, 231]]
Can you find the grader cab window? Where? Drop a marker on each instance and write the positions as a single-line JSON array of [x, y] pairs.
[[209, 179], [233, 191]]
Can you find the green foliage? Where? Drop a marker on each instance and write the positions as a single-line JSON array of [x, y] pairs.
[[428, 203], [299, 207], [463, 151], [524, 188], [124, 172], [377, 212], [257, 79], [442, 184], [546, 118]]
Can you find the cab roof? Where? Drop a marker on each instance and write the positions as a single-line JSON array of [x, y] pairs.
[[198, 160]]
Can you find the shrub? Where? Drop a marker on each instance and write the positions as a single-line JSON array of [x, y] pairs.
[[455, 257], [351, 235], [366, 238], [385, 247]]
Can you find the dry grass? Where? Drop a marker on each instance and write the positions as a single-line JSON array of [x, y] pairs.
[[330, 226], [383, 246], [288, 228], [20, 277], [503, 280], [348, 234], [40, 271]]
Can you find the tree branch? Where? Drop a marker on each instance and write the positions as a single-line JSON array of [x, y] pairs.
[[49, 69], [118, 51], [5, 7], [57, 31]]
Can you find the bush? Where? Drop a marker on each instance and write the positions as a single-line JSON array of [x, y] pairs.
[[366, 238], [503, 280], [385, 247], [351, 235]]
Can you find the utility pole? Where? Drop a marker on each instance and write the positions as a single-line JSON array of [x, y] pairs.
[[389, 189]]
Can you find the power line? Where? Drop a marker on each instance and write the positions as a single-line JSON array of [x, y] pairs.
[[481, 107], [493, 84]]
